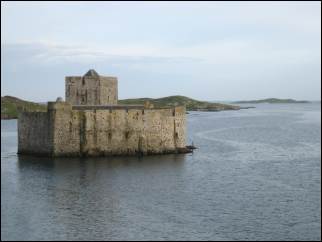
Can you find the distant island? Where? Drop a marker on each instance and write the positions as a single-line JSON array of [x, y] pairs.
[[10, 106], [271, 100]]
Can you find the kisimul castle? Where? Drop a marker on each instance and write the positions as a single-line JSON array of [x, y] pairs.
[[90, 122]]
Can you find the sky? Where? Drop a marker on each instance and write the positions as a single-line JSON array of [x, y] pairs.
[[203, 50]]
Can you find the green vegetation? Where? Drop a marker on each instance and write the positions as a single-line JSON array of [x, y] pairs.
[[272, 100], [191, 104], [10, 106]]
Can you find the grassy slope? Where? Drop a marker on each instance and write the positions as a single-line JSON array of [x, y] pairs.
[[191, 104], [11, 105], [273, 100]]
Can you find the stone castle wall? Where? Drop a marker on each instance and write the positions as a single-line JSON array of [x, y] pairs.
[[91, 90], [35, 133], [68, 130]]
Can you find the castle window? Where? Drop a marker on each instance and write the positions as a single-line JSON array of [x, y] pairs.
[[83, 99], [127, 134], [83, 81]]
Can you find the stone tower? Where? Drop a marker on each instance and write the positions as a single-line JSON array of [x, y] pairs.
[[91, 89]]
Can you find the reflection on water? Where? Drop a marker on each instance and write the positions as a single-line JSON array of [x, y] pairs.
[[94, 197], [255, 176]]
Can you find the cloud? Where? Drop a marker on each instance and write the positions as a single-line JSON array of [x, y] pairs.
[[31, 67], [200, 50], [49, 53]]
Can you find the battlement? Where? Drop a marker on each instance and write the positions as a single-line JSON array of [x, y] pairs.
[[59, 106], [177, 109], [106, 107]]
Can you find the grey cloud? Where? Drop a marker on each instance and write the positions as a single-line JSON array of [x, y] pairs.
[[54, 53]]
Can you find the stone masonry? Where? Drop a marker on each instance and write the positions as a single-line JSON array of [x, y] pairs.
[[90, 123], [91, 89]]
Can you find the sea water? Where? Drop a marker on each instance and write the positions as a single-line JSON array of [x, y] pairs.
[[256, 175]]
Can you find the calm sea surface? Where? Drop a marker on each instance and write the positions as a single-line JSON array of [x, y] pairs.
[[255, 176]]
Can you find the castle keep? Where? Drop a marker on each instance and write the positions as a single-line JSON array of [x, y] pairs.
[[90, 123], [91, 89]]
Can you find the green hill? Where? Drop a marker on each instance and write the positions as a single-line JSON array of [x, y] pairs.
[[191, 104], [272, 100], [10, 106]]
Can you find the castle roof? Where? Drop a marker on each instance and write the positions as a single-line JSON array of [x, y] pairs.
[[92, 73]]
